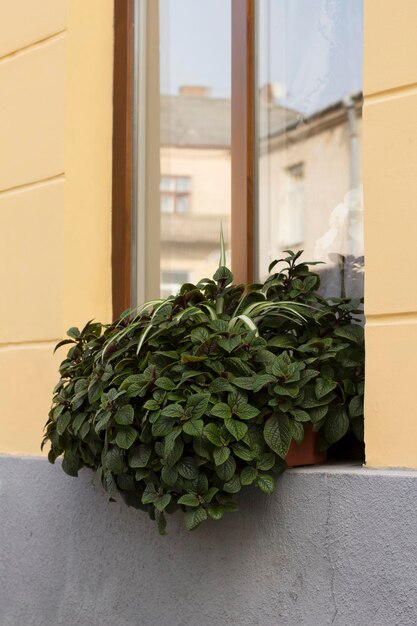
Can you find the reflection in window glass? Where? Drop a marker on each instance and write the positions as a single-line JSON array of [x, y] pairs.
[[195, 127], [175, 194], [309, 125], [292, 217], [171, 281]]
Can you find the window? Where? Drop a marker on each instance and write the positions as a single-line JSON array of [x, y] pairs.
[[171, 281], [235, 122], [292, 231], [175, 194]]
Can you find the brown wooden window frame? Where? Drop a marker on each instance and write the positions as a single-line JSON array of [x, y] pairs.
[[243, 158]]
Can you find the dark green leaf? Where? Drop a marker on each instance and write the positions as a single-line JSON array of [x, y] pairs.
[[173, 410], [175, 454], [266, 461], [170, 440], [282, 341], [220, 385], [353, 332], [149, 495], [95, 391], [297, 430], [114, 461], [162, 502], [336, 424], [62, 422], [221, 455], [165, 383], [163, 426], [73, 332], [161, 520], [197, 405], [230, 344], [248, 475], [194, 517], [103, 421], [233, 485], [227, 469], [169, 475], [140, 474], [356, 406], [300, 415], [277, 435], [246, 411], [324, 386], [70, 463], [236, 428], [151, 405], [221, 410], [317, 413], [187, 468], [266, 483], [78, 421], [139, 456], [243, 452], [194, 427], [216, 511], [253, 383], [189, 499], [124, 415], [125, 437], [85, 429]]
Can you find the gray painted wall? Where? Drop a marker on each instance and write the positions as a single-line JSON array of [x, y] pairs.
[[331, 546]]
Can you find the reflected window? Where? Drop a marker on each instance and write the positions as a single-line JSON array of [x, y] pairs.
[[171, 281], [175, 194], [292, 231]]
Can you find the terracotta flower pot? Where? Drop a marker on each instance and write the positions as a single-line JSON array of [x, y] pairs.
[[305, 453]]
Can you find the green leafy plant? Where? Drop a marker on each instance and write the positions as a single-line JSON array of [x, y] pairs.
[[184, 401]]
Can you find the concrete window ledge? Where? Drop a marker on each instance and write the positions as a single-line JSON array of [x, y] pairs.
[[333, 545]]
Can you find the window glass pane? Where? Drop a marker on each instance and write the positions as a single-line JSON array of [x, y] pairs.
[[182, 204], [309, 129], [167, 203], [167, 183], [183, 184], [189, 50], [171, 282]]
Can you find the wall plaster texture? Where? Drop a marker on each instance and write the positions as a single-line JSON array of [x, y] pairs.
[[333, 545]]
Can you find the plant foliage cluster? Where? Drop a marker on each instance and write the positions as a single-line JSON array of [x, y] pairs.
[[183, 402]]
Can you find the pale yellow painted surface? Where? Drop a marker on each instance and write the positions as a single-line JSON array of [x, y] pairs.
[[390, 199], [28, 374], [23, 22], [32, 114], [390, 155], [88, 162], [390, 44], [55, 196], [390, 424], [31, 262]]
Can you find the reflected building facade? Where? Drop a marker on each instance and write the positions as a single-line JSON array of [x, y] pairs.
[[309, 195]]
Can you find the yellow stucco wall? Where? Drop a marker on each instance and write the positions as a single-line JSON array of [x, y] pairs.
[[55, 195], [390, 199]]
